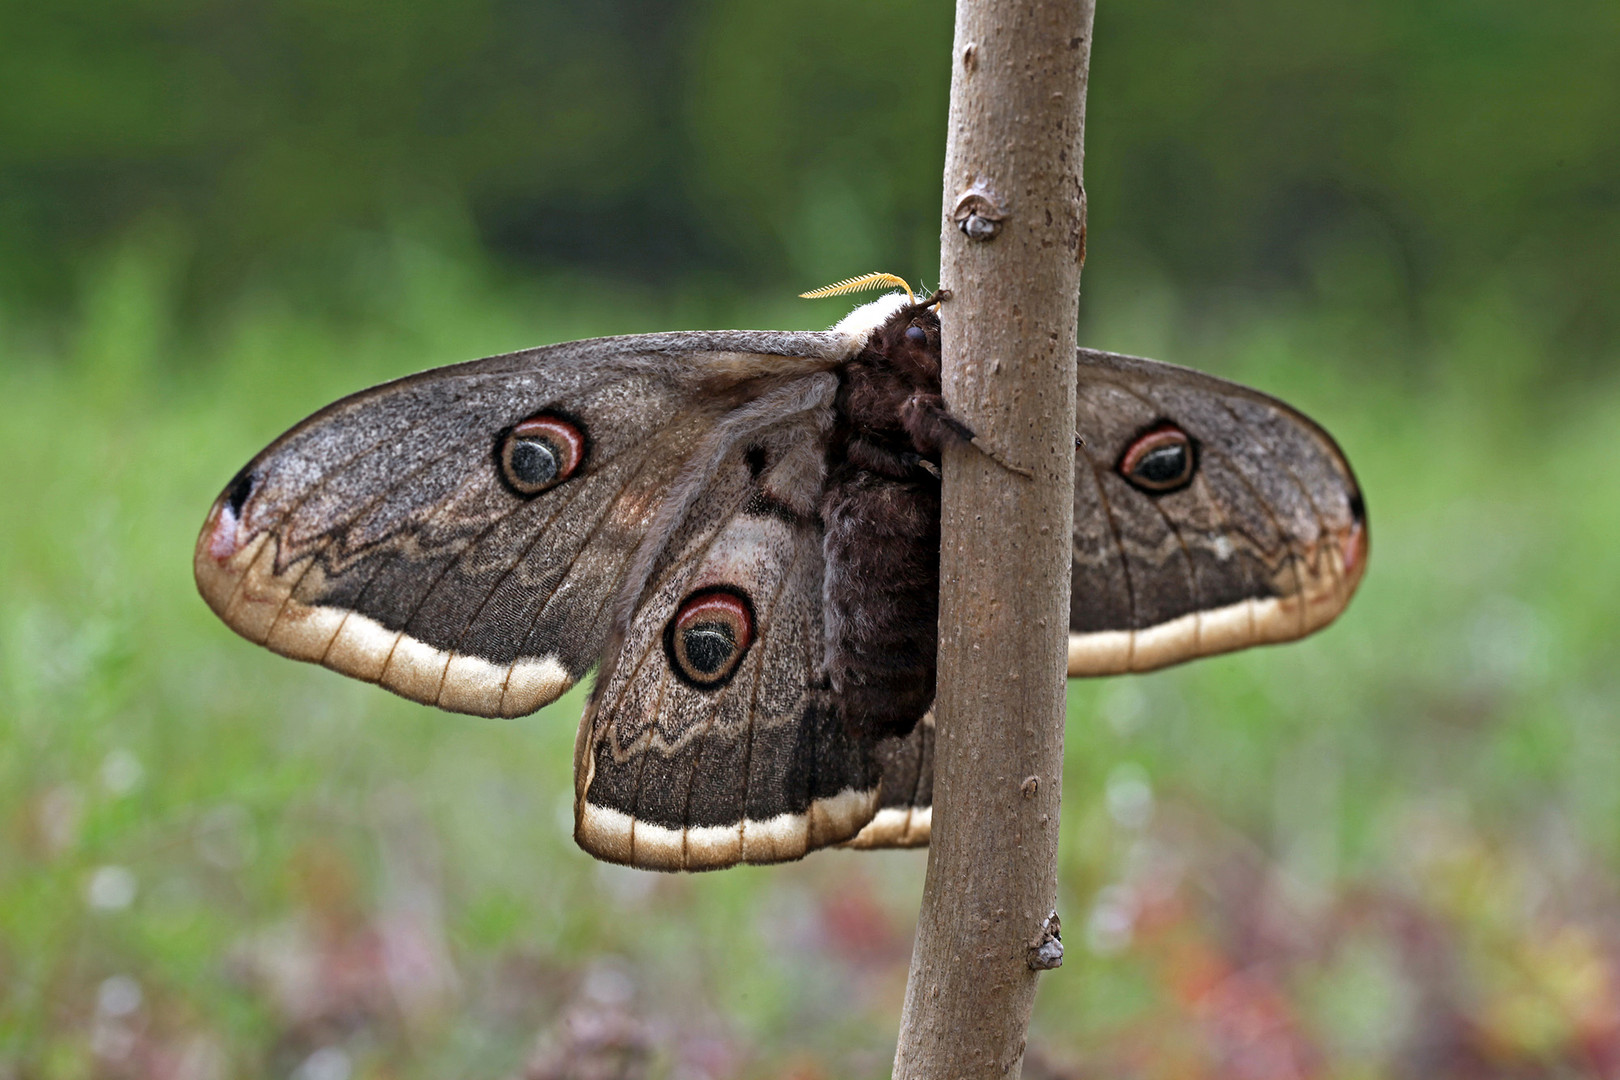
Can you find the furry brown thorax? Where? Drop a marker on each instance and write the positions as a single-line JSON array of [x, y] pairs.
[[880, 508]]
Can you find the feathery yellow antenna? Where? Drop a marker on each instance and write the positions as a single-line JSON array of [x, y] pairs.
[[860, 284]]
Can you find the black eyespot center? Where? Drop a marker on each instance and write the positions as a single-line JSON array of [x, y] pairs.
[[1162, 465], [1160, 460], [534, 461], [708, 646]]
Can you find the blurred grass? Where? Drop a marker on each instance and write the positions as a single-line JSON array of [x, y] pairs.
[[1386, 851]]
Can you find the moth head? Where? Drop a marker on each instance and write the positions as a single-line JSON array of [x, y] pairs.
[[909, 340]]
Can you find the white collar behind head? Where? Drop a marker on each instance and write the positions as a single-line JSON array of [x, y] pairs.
[[859, 325]]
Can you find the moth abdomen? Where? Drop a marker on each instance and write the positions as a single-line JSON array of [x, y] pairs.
[[881, 598]]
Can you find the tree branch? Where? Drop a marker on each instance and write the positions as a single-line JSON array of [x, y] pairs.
[[1013, 241]]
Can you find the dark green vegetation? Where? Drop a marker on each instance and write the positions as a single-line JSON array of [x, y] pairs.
[[1372, 156], [1390, 851]]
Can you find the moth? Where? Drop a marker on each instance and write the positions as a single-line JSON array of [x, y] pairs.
[[739, 530]]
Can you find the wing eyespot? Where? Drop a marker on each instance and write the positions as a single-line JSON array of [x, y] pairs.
[[540, 453], [1160, 460], [709, 635]]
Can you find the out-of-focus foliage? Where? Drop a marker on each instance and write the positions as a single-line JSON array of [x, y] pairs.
[[1389, 851], [1373, 155]]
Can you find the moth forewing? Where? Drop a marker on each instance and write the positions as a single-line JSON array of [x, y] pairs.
[[1264, 542]]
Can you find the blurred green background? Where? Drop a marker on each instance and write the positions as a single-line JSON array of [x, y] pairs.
[[1390, 851]]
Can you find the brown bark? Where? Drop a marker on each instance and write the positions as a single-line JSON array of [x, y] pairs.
[[1013, 241]]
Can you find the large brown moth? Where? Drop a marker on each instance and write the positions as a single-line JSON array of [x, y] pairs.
[[740, 531]]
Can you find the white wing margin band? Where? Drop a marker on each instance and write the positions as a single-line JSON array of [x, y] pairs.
[[1202, 633], [247, 593], [618, 837]]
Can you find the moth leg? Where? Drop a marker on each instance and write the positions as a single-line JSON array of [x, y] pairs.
[[990, 452], [896, 464], [925, 465], [930, 424]]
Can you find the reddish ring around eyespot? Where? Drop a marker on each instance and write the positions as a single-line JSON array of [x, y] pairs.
[[709, 635], [540, 453], [1160, 460]]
